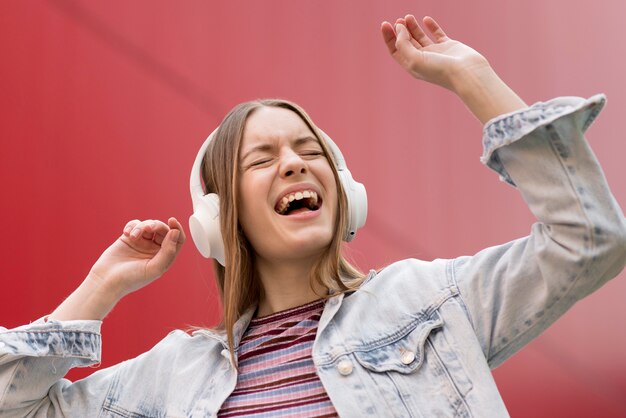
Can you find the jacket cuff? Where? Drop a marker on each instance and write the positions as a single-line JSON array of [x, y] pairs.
[[508, 128], [78, 340]]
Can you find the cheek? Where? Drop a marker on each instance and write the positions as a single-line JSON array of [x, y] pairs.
[[252, 198], [245, 205], [252, 191], [330, 185]]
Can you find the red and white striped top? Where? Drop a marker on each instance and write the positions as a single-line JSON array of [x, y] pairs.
[[277, 376]]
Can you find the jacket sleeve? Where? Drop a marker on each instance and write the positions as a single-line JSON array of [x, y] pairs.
[[33, 360], [514, 291]]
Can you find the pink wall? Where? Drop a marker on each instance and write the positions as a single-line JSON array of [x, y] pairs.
[[103, 107]]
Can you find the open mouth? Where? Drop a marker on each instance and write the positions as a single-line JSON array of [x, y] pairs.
[[298, 202]]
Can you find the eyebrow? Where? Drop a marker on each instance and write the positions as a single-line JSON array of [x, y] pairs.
[[266, 147]]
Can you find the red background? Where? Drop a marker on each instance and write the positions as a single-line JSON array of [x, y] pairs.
[[103, 106]]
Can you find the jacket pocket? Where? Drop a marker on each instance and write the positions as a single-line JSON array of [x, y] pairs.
[[416, 369], [402, 352]]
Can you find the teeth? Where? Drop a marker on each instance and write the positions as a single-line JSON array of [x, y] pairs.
[[305, 194]]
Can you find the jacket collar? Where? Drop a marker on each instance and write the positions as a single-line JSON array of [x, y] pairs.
[[331, 307]]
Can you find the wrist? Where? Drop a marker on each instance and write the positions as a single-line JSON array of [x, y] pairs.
[[105, 288], [92, 300], [484, 93], [464, 78]]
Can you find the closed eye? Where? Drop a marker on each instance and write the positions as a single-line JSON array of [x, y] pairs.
[[259, 162], [312, 153]]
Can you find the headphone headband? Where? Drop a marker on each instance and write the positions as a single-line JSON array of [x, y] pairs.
[[195, 179]]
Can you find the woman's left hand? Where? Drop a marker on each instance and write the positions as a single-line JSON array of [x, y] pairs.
[[436, 58]]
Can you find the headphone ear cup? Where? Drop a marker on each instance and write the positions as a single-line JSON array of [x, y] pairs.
[[357, 203], [355, 192], [205, 229]]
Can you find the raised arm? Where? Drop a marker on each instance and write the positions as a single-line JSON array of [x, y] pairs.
[[34, 358], [514, 291]]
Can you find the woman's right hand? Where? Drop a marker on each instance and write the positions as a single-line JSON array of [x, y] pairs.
[[144, 251]]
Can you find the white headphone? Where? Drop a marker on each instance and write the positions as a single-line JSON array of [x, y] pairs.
[[204, 223]]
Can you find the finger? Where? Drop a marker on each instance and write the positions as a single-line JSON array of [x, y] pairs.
[[147, 229], [166, 255], [434, 28], [389, 36], [138, 229], [143, 230], [156, 231], [402, 35], [159, 236], [403, 43], [416, 31], [129, 226], [174, 224]]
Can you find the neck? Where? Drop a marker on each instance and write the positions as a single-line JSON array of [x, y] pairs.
[[285, 285]]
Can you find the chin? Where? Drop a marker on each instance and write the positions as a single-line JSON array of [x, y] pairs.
[[308, 245]]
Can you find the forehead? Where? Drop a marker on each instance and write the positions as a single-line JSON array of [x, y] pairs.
[[270, 124]]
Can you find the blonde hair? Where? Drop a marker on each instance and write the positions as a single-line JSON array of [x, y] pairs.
[[238, 282]]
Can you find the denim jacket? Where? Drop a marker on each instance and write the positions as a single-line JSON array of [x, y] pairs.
[[417, 339]]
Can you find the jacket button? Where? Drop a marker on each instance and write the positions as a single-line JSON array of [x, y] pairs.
[[407, 357], [344, 367]]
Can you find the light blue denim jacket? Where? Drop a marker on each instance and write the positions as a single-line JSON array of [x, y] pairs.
[[418, 339]]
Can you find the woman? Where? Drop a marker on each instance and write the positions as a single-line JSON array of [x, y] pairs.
[[414, 339]]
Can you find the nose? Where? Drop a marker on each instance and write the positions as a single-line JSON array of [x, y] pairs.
[[292, 164]]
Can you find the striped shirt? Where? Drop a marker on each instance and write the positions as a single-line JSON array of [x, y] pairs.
[[277, 376]]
